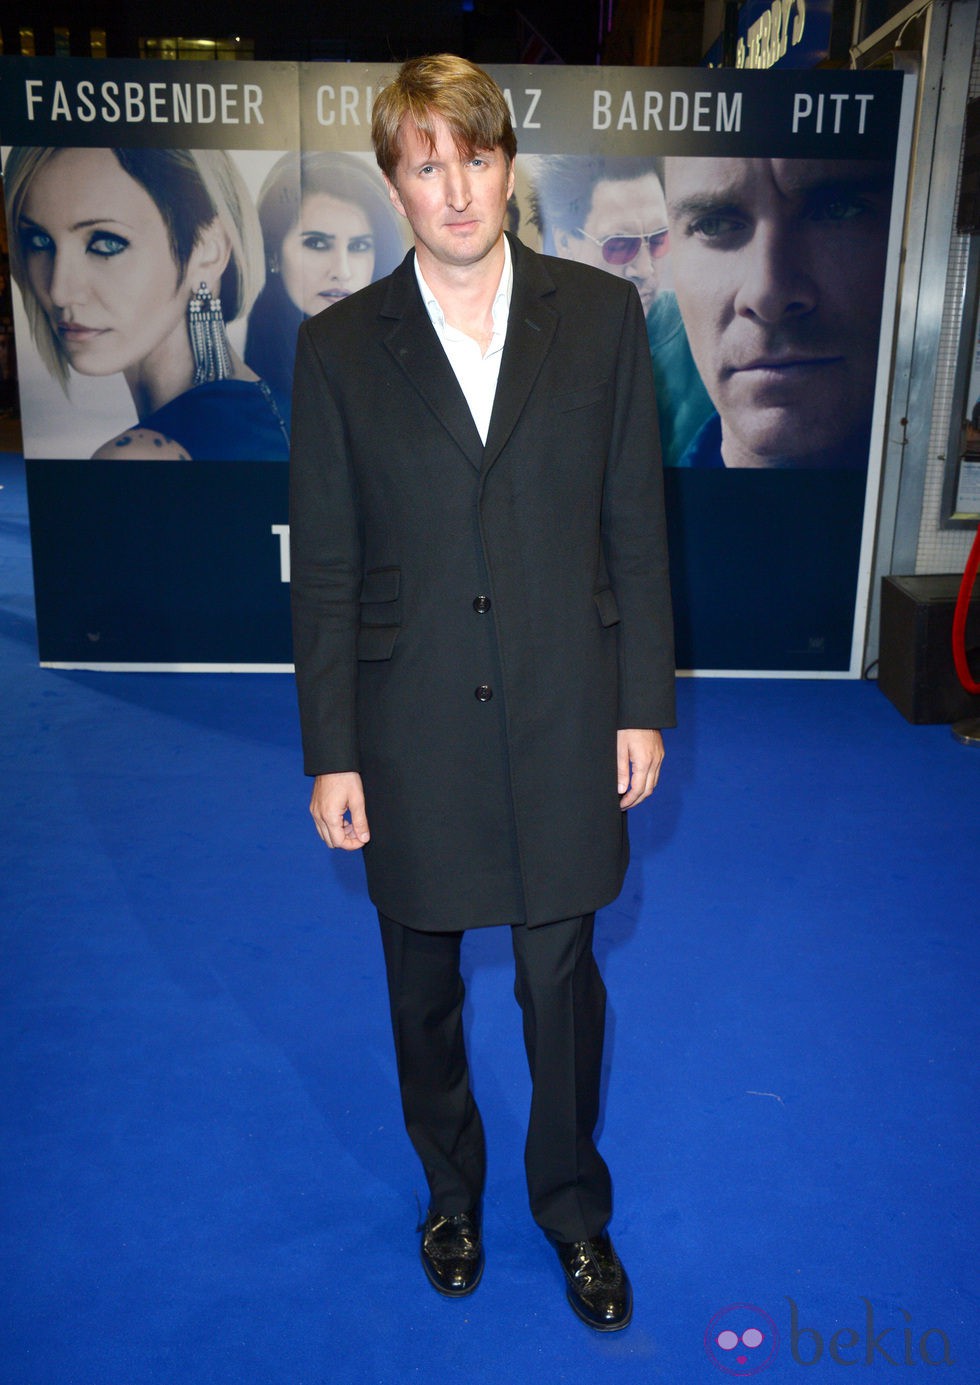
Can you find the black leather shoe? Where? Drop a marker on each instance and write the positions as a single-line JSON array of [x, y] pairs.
[[597, 1286], [452, 1252]]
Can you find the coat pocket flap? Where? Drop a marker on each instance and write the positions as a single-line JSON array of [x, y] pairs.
[[581, 398], [382, 584], [376, 641], [605, 601]]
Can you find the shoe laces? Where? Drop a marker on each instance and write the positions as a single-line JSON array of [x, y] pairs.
[[595, 1271], [451, 1238]]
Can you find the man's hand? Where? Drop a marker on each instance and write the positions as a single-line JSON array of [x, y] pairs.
[[334, 797], [639, 755]]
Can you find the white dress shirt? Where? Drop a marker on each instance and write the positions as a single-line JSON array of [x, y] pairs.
[[476, 372]]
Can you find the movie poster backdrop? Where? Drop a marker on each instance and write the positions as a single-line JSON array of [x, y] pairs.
[[754, 212]]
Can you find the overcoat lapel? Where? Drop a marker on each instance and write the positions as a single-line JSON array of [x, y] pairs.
[[414, 345], [531, 327]]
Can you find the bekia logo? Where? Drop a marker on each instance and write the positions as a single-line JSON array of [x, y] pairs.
[[743, 1340]]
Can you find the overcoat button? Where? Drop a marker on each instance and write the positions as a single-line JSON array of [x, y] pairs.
[[484, 693], [481, 604]]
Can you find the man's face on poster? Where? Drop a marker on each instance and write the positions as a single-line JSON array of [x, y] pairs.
[[622, 233], [778, 266]]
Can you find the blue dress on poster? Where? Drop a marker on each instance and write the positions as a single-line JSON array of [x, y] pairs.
[[224, 421]]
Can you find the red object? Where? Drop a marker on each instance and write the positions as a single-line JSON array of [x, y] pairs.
[[959, 618]]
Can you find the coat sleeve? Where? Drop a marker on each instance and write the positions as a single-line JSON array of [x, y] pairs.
[[325, 567], [634, 536]]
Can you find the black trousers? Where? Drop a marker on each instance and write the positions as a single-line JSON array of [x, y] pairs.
[[563, 1002]]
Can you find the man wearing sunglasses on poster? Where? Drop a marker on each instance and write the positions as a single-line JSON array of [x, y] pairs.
[[611, 213]]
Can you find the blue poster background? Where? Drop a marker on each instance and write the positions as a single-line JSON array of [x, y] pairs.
[[180, 564]]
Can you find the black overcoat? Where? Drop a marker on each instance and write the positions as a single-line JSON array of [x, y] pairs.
[[472, 624]]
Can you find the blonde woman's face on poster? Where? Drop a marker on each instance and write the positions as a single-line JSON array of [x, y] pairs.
[[328, 254], [99, 262]]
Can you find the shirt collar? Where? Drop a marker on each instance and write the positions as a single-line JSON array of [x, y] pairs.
[[501, 299]]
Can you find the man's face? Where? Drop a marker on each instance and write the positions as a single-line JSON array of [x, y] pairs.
[[634, 207], [454, 204], [778, 266]]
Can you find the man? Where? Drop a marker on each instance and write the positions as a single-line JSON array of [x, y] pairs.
[[607, 212], [779, 266], [611, 213], [482, 644]]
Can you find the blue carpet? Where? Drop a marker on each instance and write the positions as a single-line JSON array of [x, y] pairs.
[[204, 1173]]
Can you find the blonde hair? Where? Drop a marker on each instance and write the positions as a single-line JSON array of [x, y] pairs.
[[441, 87], [190, 188]]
